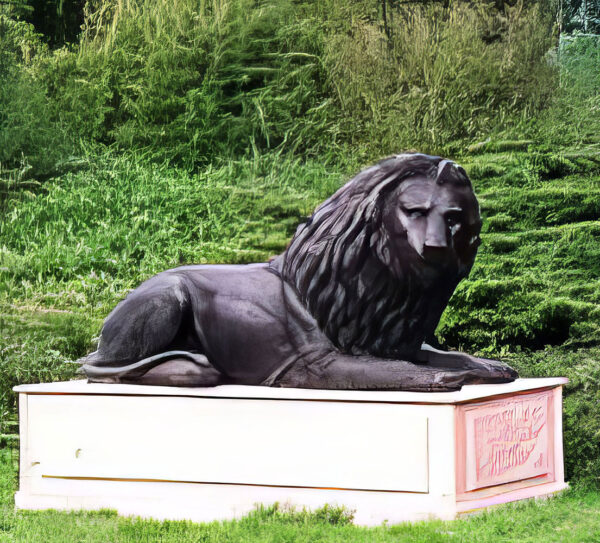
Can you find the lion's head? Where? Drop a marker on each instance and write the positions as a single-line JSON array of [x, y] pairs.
[[378, 261]]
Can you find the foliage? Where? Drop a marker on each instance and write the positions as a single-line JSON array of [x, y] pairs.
[[445, 75], [59, 21], [580, 15], [26, 125], [573, 117], [91, 226], [195, 80], [535, 280]]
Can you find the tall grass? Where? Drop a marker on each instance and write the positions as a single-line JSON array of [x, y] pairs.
[[194, 80], [445, 74], [105, 229], [574, 115], [31, 137]]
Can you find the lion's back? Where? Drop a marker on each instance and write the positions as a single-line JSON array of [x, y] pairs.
[[240, 318]]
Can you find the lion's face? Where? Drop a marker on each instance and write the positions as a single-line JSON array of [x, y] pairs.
[[436, 224], [378, 261]]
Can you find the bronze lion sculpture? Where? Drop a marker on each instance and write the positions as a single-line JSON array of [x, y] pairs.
[[348, 305]]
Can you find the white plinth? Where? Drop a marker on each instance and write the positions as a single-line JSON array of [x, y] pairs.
[[214, 453]]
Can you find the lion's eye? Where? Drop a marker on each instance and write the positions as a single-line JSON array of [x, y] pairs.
[[452, 220], [416, 212]]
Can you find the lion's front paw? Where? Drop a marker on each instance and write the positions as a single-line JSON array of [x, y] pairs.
[[497, 370], [455, 379], [489, 375]]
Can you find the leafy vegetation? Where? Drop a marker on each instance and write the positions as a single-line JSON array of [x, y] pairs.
[[193, 80]]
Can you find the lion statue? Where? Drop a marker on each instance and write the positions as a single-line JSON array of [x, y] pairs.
[[348, 305]]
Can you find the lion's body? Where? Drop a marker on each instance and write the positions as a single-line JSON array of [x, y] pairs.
[[348, 304], [236, 316]]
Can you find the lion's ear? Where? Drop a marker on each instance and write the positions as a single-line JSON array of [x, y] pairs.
[[462, 171]]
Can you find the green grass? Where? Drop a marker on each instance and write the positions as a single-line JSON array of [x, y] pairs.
[[536, 278], [73, 247], [104, 229], [572, 516], [171, 134]]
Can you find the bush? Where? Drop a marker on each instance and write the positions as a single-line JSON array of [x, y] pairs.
[[31, 138], [581, 410], [574, 115], [196, 80], [444, 74], [193, 80]]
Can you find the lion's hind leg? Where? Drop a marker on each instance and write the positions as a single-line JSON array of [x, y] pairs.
[[180, 372], [149, 339], [172, 368]]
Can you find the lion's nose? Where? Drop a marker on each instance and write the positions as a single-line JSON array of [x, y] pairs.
[[435, 236]]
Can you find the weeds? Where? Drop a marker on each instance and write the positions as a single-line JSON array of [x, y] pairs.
[[190, 81]]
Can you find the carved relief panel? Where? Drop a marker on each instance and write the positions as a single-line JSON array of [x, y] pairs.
[[505, 440]]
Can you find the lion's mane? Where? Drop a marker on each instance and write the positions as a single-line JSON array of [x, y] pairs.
[[365, 298]]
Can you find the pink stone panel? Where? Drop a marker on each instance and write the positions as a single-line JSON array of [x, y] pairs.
[[505, 440]]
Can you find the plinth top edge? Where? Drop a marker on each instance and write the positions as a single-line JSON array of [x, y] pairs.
[[466, 394]]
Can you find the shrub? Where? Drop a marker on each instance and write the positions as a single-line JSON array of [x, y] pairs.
[[443, 74], [194, 80], [581, 410], [574, 115], [31, 138]]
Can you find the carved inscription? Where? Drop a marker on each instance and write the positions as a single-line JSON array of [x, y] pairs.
[[507, 440]]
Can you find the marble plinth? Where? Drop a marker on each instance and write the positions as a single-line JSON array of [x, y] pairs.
[[214, 453]]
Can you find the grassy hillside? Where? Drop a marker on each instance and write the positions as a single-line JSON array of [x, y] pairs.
[[179, 132], [73, 249]]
